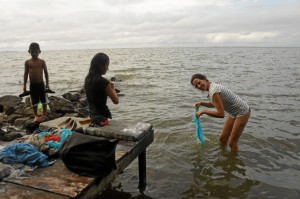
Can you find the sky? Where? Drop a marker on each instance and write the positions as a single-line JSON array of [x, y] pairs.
[[94, 24]]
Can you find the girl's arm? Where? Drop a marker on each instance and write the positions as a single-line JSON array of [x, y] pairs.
[[111, 92], [218, 104], [206, 104]]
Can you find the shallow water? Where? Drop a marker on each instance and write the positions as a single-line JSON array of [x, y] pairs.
[[156, 84]]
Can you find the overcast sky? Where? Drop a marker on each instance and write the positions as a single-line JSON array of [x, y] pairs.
[[84, 24]]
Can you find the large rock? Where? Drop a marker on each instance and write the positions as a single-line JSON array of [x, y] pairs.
[[19, 122], [10, 103], [73, 97], [61, 105]]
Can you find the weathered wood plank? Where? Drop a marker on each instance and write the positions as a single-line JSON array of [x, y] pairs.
[[59, 182], [137, 148], [15, 191]]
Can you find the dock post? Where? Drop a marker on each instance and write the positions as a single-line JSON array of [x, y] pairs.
[[142, 171]]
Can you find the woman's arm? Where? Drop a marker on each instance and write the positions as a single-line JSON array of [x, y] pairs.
[[218, 104], [111, 92], [206, 104]]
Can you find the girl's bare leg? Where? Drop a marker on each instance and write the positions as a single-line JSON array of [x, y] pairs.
[[237, 130], [226, 131]]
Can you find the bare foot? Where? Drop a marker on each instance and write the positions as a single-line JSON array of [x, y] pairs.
[[36, 118], [42, 118]]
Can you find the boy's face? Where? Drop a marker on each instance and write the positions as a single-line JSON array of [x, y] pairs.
[[34, 53]]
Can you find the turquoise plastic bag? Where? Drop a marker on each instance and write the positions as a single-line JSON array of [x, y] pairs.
[[199, 132]]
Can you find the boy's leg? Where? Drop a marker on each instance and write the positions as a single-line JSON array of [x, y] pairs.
[[237, 130], [34, 96], [226, 131], [42, 118], [35, 107]]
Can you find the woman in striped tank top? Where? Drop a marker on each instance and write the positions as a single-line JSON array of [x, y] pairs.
[[223, 100]]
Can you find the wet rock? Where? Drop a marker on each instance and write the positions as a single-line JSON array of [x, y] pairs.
[[21, 121], [21, 113], [10, 101], [73, 97], [5, 170], [27, 111], [9, 135], [61, 105], [31, 126], [83, 112], [10, 110], [1, 118], [20, 108], [11, 118]]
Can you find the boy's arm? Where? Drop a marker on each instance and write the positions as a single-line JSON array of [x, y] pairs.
[[26, 72], [46, 75]]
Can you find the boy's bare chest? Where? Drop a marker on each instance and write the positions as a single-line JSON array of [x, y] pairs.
[[35, 65]]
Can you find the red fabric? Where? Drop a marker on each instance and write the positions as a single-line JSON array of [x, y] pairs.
[[52, 138]]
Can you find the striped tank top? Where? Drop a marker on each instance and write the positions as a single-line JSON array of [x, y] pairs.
[[232, 103]]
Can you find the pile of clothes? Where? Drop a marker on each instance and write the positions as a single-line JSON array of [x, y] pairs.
[[18, 158]]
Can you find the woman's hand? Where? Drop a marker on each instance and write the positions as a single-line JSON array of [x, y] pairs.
[[197, 104], [199, 113], [112, 85]]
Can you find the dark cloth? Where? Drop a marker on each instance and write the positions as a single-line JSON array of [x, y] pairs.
[[97, 98], [88, 155], [37, 93], [99, 121]]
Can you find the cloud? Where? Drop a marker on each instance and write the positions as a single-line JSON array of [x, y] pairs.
[[142, 23], [239, 37]]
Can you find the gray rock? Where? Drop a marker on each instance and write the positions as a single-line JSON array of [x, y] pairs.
[[5, 170], [10, 101], [61, 105], [73, 97], [11, 118], [9, 136], [21, 121]]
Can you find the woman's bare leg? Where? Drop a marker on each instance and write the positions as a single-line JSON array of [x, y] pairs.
[[226, 131], [237, 130]]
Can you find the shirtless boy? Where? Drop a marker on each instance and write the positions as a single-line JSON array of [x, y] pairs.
[[34, 68]]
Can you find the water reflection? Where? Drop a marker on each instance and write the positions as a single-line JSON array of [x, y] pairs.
[[116, 191], [221, 175]]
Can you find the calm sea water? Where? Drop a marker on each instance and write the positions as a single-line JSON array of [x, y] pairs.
[[156, 84]]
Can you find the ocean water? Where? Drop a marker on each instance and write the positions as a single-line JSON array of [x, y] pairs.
[[156, 84]]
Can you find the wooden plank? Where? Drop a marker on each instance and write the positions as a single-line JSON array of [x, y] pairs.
[[10, 190], [57, 179], [142, 171], [97, 187]]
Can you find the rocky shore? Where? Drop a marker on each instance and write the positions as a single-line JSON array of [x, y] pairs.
[[16, 114]]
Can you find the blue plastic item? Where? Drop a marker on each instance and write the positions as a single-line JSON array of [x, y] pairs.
[[199, 132]]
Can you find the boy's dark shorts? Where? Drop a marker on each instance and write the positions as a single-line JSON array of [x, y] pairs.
[[37, 93]]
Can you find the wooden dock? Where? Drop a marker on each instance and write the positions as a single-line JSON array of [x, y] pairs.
[[58, 182]]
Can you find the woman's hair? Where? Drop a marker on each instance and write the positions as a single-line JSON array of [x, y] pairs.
[[97, 67], [198, 76]]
